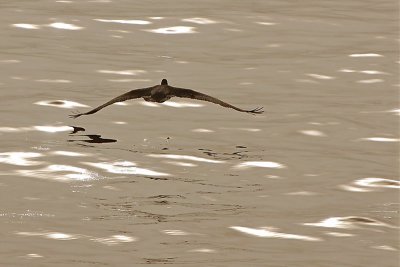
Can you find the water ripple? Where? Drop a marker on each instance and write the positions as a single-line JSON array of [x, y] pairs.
[[40, 128], [27, 213], [53, 129], [70, 153], [378, 182], [371, 81], [174, 30], [385, 247], [380, 139], [123, 72], [320, 76], [203, 250], [181, 104], [184, 157], [200, 20], [53, 81], [26, 26], [60, 103], [32, 256], [269, 233], [263, 164], [175, 232], [52, 172], [266, 23], [366, 55], [65, 26], [111, 240], [20, 158], [114, 240], [201, 130], [124, 167], [312, 133], [124, 21], [348, 222]]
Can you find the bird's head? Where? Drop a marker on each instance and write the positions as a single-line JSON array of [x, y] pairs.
[[164, 82]]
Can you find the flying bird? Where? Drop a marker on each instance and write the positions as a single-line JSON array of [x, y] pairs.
[[163, 92]]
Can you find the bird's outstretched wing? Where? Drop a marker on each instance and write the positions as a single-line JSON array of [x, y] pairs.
[[188, 93], [137, 93]]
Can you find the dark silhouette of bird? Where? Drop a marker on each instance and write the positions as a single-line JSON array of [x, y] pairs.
[[163, 92], [95, 138], [77, 129]]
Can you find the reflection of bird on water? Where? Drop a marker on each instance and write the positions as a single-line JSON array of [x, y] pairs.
[[163, 92], [95, 138]]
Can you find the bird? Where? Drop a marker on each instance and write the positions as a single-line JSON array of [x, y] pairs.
[[161, 93]]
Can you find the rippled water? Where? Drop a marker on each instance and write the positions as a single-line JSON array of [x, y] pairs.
[[311, 182]]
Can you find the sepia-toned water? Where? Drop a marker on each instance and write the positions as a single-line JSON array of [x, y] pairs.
[[311, 182]]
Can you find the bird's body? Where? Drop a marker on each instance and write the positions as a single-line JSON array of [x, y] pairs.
[[159, 93], [163, 92]]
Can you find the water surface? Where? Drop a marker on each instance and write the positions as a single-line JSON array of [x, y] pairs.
[[311, 182]]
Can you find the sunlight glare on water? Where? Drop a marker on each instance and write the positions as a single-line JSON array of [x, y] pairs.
[[122, 21], [174, 30], [124, 167], [20, 158], [265, 232], [262, 164]]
